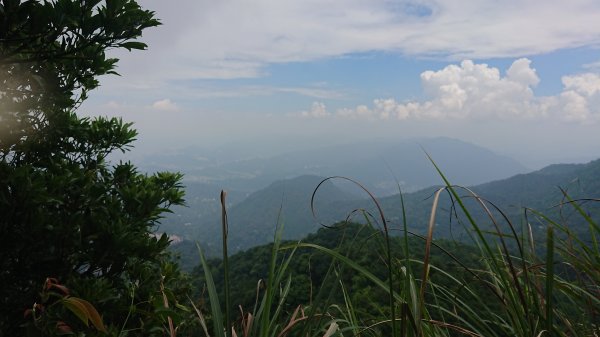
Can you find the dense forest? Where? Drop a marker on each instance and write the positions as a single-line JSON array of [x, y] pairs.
[[317, 277]]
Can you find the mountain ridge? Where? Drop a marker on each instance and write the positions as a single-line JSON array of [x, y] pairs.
[[252, 221], [374, 163]]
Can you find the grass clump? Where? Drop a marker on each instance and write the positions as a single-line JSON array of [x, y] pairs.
[[363, 281]]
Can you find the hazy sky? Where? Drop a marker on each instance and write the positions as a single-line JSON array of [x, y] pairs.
[[519, 77]]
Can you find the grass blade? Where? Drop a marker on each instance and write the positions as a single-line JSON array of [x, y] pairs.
[[225, 230], [217, 314], [549, 278]]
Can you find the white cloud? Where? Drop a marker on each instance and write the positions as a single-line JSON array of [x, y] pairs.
[[466, 90], [477, 91], [580, 99], [236, 39], [318, 110], [521, 72], [165, 105], [382, 109], [587, 84]]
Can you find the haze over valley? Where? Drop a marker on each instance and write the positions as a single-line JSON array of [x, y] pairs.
[[265, 192]]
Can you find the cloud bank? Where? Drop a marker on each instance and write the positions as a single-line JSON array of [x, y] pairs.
[[318, 110], [478, 91], [236, 39]]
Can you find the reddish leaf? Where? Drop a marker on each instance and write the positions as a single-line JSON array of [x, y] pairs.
[[85, 311], [52, 283], [94, 316], [79, 309], [63, 328], [49, 282]]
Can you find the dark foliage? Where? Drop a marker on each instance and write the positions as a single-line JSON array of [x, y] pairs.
[[65, 212], [316, 278]]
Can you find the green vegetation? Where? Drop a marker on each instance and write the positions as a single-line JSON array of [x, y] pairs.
[[310, 268], [252, 217], [78, 254], [340, 280], [67, 214]]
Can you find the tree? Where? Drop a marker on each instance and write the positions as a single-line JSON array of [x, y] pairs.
[[65, 211]]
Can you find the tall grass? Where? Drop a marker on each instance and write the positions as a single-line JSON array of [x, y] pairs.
[[522, 286], [267, 318]]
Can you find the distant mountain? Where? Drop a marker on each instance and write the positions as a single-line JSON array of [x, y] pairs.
[[252, 221], [539, 190], [202, 205], [373, 163]]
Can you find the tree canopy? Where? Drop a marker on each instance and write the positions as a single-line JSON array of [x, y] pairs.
[[68, 213]]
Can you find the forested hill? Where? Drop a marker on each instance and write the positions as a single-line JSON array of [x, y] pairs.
[[541, 190], [252, 221], [312, 279], [286, 202]]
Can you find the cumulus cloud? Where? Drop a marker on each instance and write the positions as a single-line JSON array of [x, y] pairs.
[[465, 90], [478, 91], [318, 110], [521, 72], [165, 105], [382, 109], [580, 99]]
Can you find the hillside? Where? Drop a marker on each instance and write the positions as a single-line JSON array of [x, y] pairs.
[[375, 164], [252, 221], [310, 268], [539, 190]]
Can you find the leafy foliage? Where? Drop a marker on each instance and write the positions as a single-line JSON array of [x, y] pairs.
[[505, 284], [49, 315], [67, 213], [317, 278]]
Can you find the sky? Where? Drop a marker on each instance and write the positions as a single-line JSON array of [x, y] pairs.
[[521, 78]]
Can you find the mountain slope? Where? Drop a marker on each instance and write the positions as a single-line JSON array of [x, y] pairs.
[[539, 190], [253, 220]]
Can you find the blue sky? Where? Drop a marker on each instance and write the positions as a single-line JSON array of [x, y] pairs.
[[519, 77]]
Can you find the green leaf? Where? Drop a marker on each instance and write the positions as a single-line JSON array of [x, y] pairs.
[[85, 311], [134, 45], [217, 314]]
